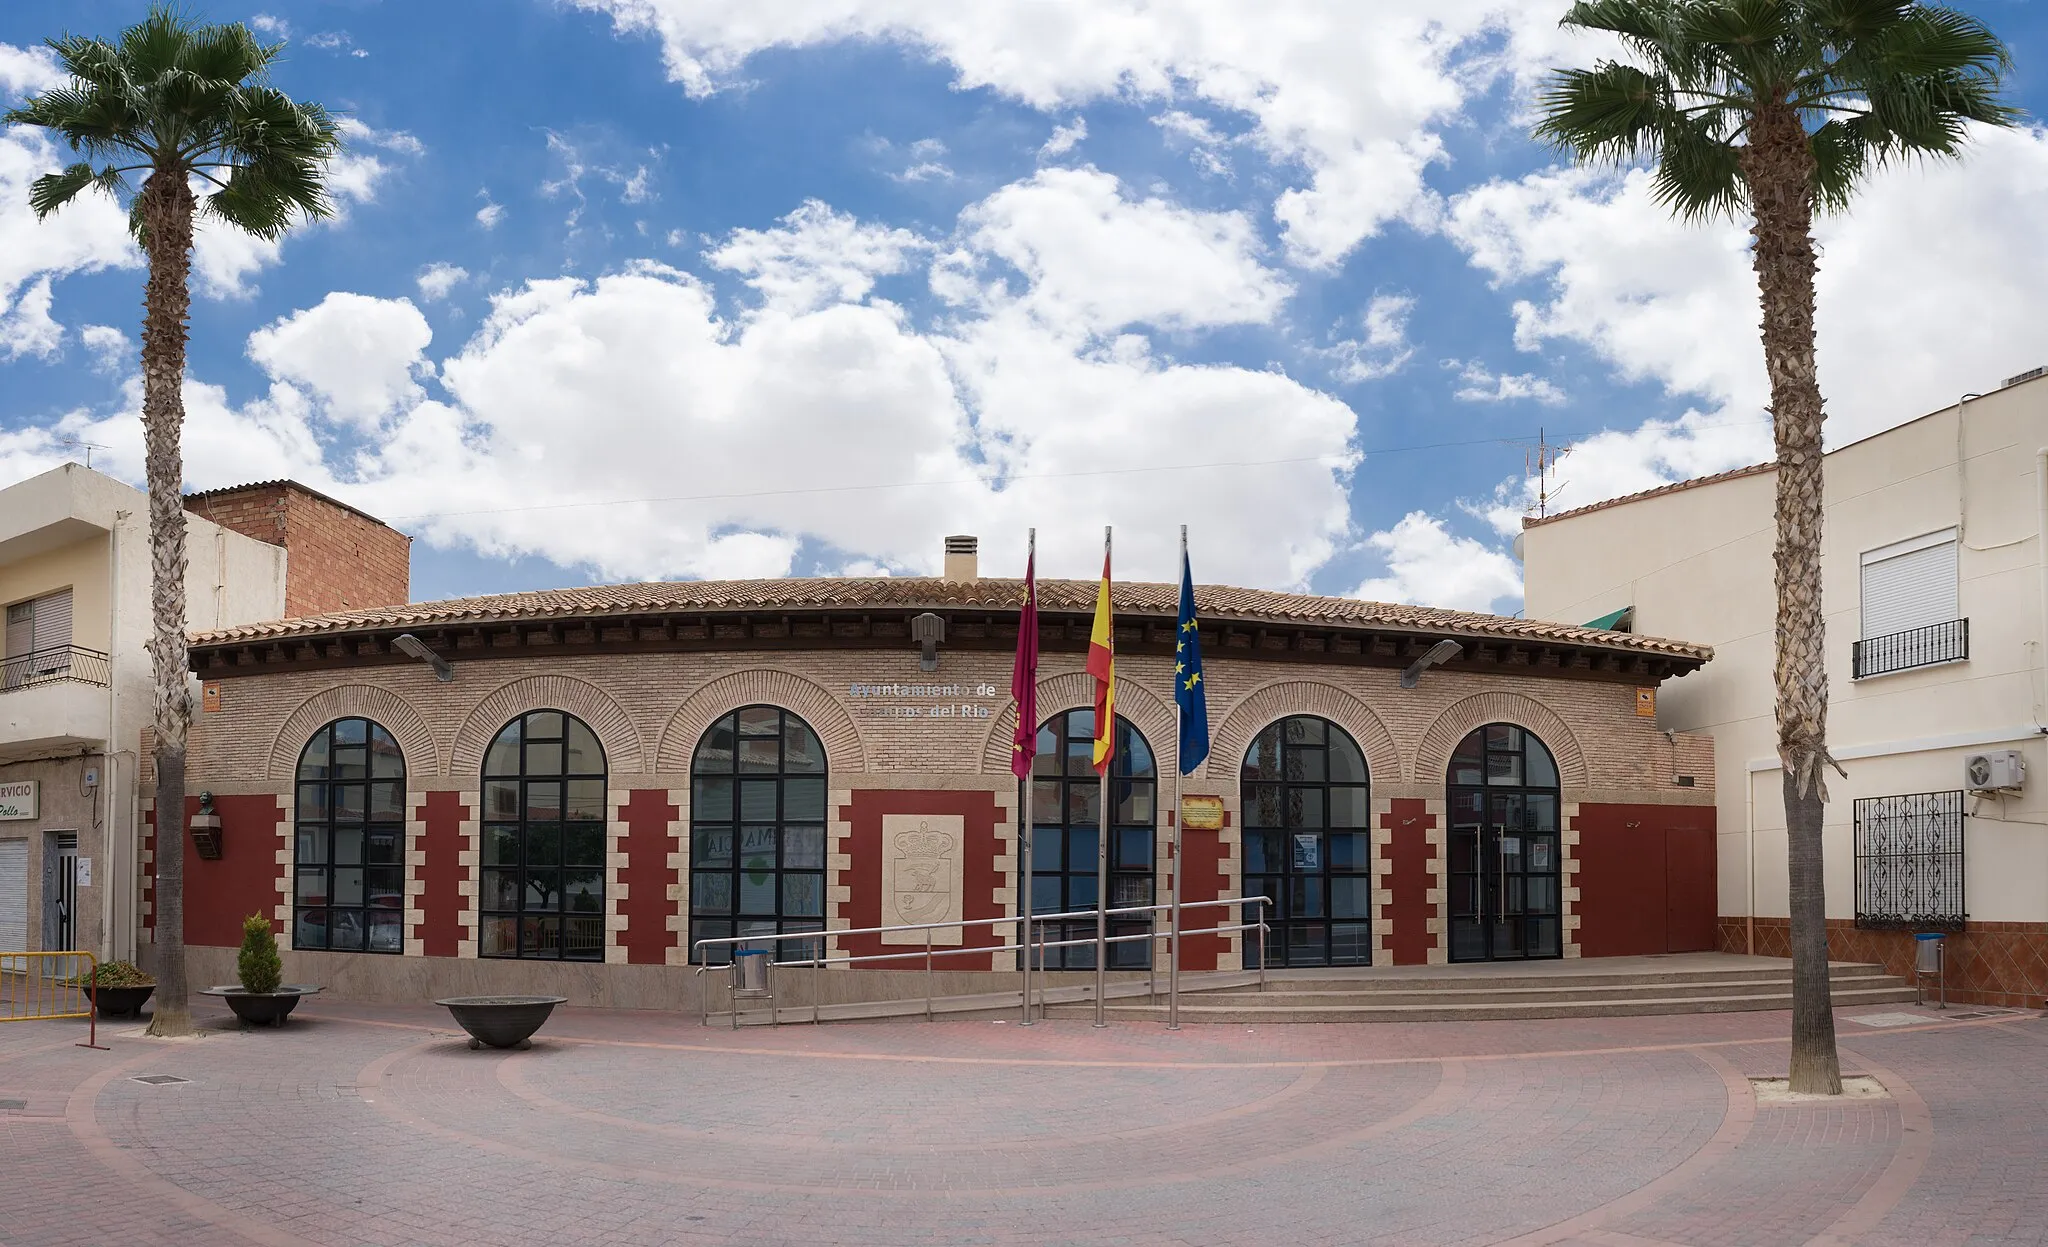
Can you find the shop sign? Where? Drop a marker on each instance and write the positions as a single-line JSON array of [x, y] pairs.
[[1646, 703], [18, 799], [209, 697], [1201, 813]]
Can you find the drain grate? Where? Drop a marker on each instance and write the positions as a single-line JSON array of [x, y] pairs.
[[13, 1104], [159, 1080]]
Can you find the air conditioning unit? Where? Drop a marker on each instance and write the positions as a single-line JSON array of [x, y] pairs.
[[2000, 770]]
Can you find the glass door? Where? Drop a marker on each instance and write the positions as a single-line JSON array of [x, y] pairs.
[[1505, 898]]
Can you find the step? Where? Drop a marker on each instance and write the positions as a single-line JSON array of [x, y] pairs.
[[1526, 992], [1436, 980], [1195, 1011]]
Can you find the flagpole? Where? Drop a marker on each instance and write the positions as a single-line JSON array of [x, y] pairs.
[[1024, 818], [1102, 834], [1179, 740]]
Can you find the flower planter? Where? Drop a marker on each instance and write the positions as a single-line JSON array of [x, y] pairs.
[[120, 1002], [261, 1008], [501, 1021]]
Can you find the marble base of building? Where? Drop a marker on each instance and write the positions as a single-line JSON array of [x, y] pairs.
[[1988, 963]]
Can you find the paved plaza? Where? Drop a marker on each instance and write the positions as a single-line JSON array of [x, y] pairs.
[[376, 1124]]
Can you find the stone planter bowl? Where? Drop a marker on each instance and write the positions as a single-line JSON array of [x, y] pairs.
[[262, 1008], [501, 1021], [120, 1002]]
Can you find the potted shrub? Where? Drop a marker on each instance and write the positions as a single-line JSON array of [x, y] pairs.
[[116, 988], [262, 997]]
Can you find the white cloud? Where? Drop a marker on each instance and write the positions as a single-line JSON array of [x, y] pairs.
[[1382, 348], [923, 160], [88, 234], [26, 327], [815, 257], [491, 213], [356, 354], [1930, 287], [1479, 384], [1064, 139], [335, 41], [109, 346], [1429, 565], [266, 24], [1096, 261], [440, 277], [27, 71], [1203, 141], [1345, 97]]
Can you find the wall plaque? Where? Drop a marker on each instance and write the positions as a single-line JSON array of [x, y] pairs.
[[1646, 703], [1201, 813], [922, 879]]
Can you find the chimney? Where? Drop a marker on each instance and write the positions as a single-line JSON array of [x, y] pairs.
[[962, 560]]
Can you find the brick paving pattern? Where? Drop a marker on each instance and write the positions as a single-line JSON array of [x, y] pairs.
[[364, 1124]]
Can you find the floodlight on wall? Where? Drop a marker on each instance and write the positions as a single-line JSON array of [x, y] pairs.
[[1441, 652], [927, 630], [408, 644]]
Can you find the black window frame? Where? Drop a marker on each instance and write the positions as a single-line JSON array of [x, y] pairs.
[[1064, 780], [544, 845], [1504, 800], [717, 894], [366, 805], [1287, 803], [1910, 861]]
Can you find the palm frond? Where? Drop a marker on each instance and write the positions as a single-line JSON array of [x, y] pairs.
[[1611, 113], [1699, 173], [53, 190]]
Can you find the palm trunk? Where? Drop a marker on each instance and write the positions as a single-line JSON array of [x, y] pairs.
[[1778, 168], [166, 206]]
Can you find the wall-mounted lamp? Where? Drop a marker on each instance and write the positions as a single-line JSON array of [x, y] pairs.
[[206, 829], [1441, 652], [408, 644], [927, 630]]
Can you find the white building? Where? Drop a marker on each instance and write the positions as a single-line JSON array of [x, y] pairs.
[[75, 685], [1935, 583]]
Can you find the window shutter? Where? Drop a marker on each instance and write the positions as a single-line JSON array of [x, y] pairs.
[[21, 629], [1909, 590], [14, 896], [53, 621]]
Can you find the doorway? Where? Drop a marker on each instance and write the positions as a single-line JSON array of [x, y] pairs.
[[1504, 848], [60, 891]]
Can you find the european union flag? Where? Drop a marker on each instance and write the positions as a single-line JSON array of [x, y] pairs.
[[1188, 692]]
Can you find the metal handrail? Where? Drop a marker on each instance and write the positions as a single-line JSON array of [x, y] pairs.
[[57, 662], [931, 952]]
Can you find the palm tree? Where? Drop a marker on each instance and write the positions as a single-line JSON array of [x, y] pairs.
[[1768, 110], [180, 104]]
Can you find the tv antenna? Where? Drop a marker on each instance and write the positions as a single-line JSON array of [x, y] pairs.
[[87, 447], [1539, 461]]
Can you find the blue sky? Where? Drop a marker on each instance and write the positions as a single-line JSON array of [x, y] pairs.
[[835, 278]]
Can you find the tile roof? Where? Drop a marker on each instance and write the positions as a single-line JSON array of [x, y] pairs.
[[855, 594], [1674, 487]]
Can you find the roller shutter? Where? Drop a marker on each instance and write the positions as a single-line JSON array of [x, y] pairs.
[[1909, 586], [13, 895]]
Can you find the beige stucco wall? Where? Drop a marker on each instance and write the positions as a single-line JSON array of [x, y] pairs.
[[1697, 563]]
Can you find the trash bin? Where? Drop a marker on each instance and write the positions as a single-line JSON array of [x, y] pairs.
[[1927, 960], [750, 970]]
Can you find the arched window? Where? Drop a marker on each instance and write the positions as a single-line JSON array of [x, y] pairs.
[[1504, 858], [1066, 817], [1308, 844], [757, 832], [348, 889], [544, 841]]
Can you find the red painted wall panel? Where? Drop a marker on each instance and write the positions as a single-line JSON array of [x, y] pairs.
[[442, 904], [1205, 880], [980, 876], [1692, 868], [243, 880], [647, 876], [1409, 879]]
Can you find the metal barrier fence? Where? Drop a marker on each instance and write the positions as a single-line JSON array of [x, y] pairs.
[[812, 946], [38, 987]]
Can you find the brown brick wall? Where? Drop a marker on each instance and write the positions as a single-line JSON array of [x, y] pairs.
[[335, 558]]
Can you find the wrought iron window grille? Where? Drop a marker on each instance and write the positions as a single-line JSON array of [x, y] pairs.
[[1915, 647], [1909, 862]]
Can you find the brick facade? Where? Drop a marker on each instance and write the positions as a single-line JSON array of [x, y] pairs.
[[944, 752], [336, 557]]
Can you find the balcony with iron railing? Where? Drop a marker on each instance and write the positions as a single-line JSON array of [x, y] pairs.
[[1915, 647], [53, 699]]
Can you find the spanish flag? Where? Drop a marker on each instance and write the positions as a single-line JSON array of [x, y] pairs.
[[1102, 665]]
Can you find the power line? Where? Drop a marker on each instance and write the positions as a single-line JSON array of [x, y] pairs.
[[797, 491]]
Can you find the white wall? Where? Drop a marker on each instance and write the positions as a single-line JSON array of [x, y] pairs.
[[1696, 564]]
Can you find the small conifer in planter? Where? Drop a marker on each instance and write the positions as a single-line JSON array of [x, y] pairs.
[[261, 969]]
